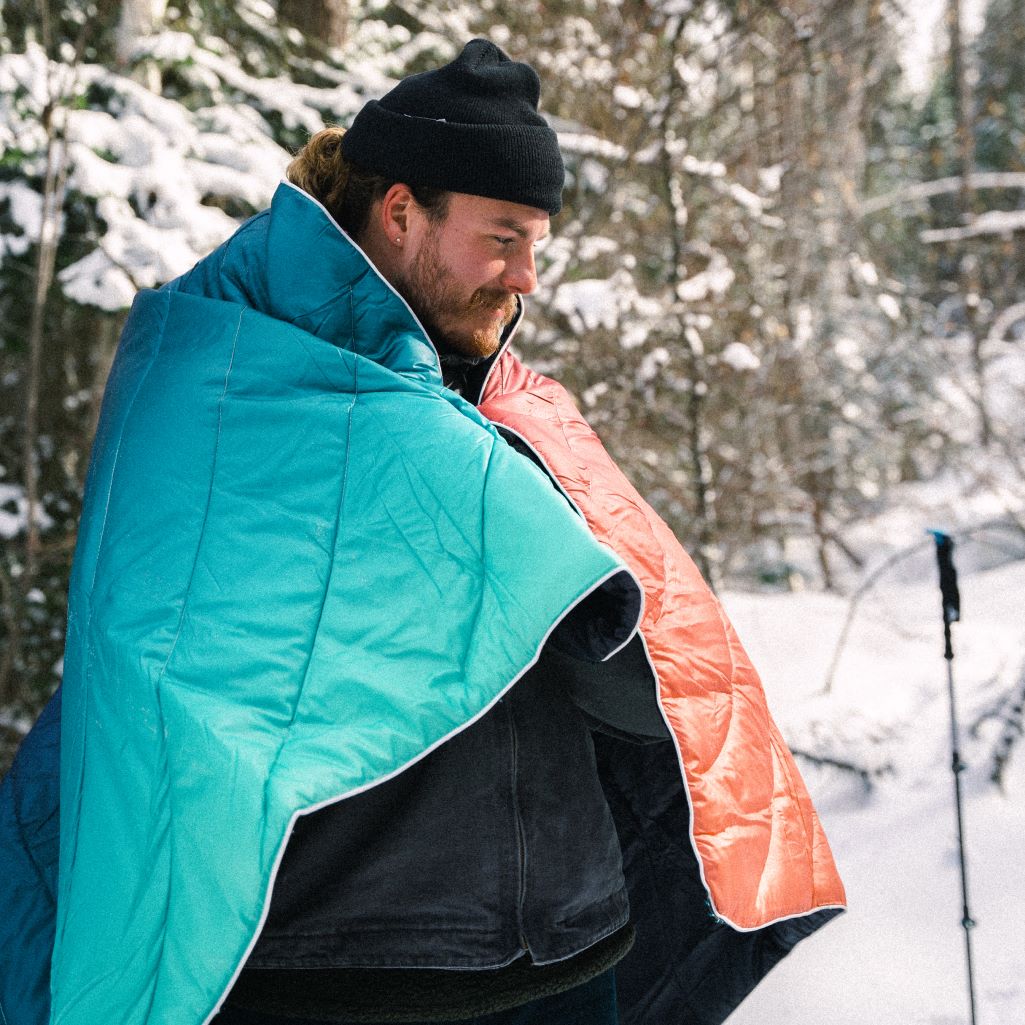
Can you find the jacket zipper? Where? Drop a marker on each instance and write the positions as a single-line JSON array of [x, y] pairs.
[[521, 839]]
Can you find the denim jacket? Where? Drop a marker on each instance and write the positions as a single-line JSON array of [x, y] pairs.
[[499, 842]]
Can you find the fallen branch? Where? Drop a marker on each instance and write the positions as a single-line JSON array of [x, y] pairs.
[[1013, 716], [865, 775]]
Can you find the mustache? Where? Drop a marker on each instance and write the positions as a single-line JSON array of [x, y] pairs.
[[491, 299]]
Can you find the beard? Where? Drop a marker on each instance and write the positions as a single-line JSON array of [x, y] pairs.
[[465, 324]]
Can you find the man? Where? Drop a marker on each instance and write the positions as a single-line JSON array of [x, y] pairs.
[[357, 725]]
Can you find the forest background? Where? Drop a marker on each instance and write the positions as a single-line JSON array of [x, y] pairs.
[[786, 288]]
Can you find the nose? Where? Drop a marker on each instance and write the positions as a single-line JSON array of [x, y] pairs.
[[520, 274]]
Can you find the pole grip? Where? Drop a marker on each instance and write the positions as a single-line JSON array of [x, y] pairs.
[[949, 593]]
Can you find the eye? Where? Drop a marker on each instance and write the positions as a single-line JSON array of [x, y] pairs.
[[504, 240]]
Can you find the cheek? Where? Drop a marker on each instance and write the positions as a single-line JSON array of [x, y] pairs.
[[476, 266], [488, 273]]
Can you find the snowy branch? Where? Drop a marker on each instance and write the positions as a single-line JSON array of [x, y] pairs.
[[941, 187], [995, 222], [1007, 319]]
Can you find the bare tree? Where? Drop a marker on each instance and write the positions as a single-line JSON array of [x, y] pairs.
[[54, 120], [20, 577], [968, 271], [694, 428]]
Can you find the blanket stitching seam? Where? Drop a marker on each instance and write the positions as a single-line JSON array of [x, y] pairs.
[[181, 620], [92, 584]]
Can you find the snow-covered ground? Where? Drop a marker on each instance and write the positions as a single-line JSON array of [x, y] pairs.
[[897, 956]]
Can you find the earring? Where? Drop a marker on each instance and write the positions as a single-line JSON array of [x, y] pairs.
[[398, 240]]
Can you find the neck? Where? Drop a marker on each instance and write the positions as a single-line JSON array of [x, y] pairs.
[[380, 252]]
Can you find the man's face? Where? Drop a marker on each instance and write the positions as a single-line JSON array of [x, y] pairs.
[[462, 274]]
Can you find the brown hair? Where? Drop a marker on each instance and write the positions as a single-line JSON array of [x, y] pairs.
[[346, 190]]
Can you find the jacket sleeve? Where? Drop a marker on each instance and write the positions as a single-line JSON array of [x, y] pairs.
[[617, 696]]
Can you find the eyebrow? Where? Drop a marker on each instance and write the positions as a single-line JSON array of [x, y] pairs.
[[515, 227]]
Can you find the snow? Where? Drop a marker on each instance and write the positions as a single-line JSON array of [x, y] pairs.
[[627, 96], [703, 168], [1006, 320], [889, 305], [158, 172], [152, 168], [593, 175], [770, 179], [591, 247], [746, 198], [897, 956], [864, 271], [300, 106], [594, 393], [25, 208], [165, 46], [97, 281], [14, 512], [714, 280], [740, 357], [582, 144], [804, 326], [652, 364], [587, 304]]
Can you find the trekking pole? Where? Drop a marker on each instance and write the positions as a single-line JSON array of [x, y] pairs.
[[951, 599]]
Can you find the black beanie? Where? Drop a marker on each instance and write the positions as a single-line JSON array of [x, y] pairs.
[[471, 126]]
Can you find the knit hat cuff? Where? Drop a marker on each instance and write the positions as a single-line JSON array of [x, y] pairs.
[[520, 163]]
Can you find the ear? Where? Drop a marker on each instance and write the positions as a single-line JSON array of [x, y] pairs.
[[395, 213]]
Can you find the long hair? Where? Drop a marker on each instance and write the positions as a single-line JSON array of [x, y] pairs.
[[346, 190]]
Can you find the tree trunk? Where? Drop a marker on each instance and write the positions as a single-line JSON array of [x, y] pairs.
[[968, 270], [55, 181], [673, 187], [139, 18], [320, 21]]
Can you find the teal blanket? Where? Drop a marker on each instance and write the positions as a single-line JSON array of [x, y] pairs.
[[302, 565]]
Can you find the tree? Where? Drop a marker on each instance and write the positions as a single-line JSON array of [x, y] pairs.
[[320, 21], [138, 18], [1000, 90], [968, 275]]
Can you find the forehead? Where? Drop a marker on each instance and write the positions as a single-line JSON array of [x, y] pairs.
[[478, 213]]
